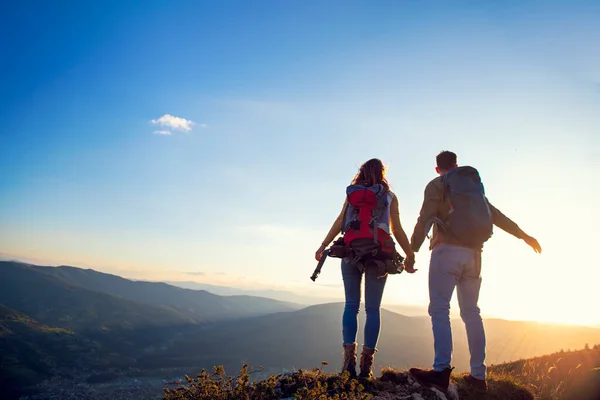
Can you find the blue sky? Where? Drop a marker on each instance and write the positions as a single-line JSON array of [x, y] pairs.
[[287, 99]]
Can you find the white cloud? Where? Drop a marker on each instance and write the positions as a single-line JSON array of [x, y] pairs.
[[202, 126], [198, 273], [162, 132], [173, 122]]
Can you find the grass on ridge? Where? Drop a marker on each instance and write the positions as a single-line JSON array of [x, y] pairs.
[[316, 384]]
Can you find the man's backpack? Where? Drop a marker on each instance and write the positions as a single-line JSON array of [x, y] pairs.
[[470, 218]]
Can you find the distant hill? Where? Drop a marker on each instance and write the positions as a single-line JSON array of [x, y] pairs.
[[199, 305], [67, 317], [408, 310], [59, 302], [84, 299], [404, 309], [281, 295], [15, 323], [300, 339], [30, 351], [304, 338], [20, 360]]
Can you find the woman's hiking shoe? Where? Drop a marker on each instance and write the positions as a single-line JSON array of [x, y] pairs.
[[349, 363], [437, 379], [366, 362], [479, 384]]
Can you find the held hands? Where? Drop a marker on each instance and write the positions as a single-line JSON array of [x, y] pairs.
[[409, 264]]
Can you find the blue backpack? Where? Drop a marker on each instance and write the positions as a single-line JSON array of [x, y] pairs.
[[470, 218]]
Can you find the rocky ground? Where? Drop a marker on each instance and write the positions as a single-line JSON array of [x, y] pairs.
[[401, 385]]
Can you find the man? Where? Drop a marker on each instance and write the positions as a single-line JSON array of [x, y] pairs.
[[454, 264]]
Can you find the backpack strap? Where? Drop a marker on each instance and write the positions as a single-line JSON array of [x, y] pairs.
[[349, 191], [344, 212], [375, 232], [382, 203], [437, 220]]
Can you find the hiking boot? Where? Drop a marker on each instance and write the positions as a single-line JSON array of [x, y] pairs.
[[479, 384], [349, 363], [437, 379], [366, 362]]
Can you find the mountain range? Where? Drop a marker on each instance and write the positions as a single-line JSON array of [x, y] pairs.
[[89, 295], [52, 318], [75, 323], [282, 295]]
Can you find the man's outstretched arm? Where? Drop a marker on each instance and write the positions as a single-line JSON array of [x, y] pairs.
[[509, 226]]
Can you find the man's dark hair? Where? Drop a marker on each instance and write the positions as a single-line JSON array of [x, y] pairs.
[[446, 160]]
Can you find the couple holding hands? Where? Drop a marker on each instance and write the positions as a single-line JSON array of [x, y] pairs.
[[461, 216]]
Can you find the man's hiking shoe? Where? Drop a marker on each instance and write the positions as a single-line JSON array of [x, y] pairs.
[[479, 384], [437, 379]]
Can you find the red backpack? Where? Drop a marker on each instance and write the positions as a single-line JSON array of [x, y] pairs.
[[364, 242], [367, 208]]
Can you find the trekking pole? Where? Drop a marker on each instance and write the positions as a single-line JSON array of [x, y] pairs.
[[319, 265]]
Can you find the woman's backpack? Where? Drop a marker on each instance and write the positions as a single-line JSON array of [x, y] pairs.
[[364, 241]]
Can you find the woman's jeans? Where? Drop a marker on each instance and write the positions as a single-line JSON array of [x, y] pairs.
[[374, 286], [456, 267]]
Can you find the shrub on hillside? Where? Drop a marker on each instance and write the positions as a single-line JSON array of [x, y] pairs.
[[301, 385]]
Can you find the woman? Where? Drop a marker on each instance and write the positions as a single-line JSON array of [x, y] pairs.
[[371, 173]]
